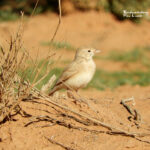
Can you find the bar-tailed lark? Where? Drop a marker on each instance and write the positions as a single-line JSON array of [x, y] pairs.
[[79, 73]]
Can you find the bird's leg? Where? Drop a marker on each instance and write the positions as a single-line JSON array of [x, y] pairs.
[[70, 94], [75, 98]]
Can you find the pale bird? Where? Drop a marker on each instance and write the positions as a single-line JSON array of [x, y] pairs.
[[78, 73]]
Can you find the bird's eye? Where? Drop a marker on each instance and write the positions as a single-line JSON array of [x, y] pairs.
[[89, 50]]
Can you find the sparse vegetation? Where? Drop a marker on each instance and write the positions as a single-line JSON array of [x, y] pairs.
[[59, 45], [8, 15], [104, 79], [12, 87], [41, 70], [135, 55], [141, 55], [130, 56], [17, 77]]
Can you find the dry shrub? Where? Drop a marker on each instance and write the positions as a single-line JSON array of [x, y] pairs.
[[15, 84], [12, 87]]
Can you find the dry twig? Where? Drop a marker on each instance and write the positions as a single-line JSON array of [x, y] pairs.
[[55, 121], [135, 114], [59, 21], [59, 144]]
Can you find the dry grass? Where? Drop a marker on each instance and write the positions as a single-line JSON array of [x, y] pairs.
[[12, 87], [14, 84]]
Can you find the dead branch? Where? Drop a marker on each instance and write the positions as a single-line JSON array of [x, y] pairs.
[[59, 144], [94, 121], [70, 126], [90, 119], [135, 114], [129, 109]]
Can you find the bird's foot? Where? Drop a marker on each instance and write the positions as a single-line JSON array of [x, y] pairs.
[[75, 98]]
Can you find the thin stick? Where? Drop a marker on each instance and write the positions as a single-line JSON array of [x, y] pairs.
[[59, 144], [58, 25], [47, 72], [129, 109], [59, 21], [68, 125], [34, 8], [33, 11], [132, 111]]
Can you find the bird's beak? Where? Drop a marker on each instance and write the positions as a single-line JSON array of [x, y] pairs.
[[97, 51]]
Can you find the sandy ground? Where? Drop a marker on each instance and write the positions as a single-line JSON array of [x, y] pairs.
[[15, 136], [99, 30]]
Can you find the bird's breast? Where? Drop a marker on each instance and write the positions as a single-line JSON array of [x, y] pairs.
[[84, 76]]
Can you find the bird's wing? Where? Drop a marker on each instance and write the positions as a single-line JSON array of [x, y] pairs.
[[68, 72]]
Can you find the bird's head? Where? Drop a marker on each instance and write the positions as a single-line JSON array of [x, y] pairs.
[[86, 53]]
